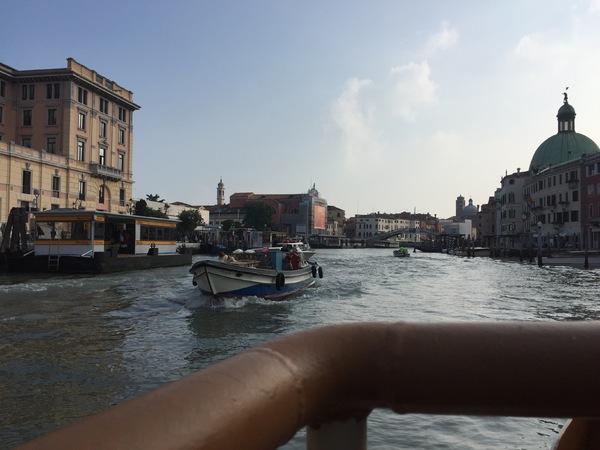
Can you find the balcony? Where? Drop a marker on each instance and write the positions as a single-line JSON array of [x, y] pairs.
[[573, 182], [109, 173]]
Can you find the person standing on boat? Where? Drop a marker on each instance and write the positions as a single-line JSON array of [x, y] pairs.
[[294, 259]]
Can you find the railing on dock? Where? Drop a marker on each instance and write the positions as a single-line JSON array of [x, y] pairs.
[[329, 379]]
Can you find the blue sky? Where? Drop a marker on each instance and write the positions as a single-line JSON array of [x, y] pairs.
[[385, 106]]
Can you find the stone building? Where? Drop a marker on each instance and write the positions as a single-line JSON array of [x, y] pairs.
[[555, 191], [66, 140]]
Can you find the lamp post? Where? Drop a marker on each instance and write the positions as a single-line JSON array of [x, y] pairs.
[[36, 193], [586, 263], [539, 243]]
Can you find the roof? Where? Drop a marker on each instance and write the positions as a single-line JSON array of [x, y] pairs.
[[562, 147], [566, 145]]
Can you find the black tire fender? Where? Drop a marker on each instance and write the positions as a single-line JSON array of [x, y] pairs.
[[280, 281]]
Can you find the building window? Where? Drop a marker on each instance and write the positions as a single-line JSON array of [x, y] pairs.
[[55, 186], [26, 117], [103, 129], [122, 114], [575, 196], [28, 92], [102, 156], [575, 216], [103, 106], [121, 197], [121, 162], [2, 88], [26, 182], [121, 136], [101, 194], [591, 170], [1, 113], [51, 144], [82, 95], [52, 90], [81, 190], [26, 142], [81, 123], [52, 116], [80, 150]]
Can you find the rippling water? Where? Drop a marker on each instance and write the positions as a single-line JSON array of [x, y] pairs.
[[71, 346]]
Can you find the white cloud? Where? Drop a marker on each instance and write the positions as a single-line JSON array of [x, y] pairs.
[[411, 87], [533, 46], [446, 38], [594, 6], [353, 113]]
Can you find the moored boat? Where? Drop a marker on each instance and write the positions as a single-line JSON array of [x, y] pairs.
[[262, 274], [89, 241]]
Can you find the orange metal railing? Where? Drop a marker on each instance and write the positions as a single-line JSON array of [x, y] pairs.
[[260, 398]]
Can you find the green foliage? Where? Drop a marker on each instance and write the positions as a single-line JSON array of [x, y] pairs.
[[154, 198], [142, 209], [190, 219], [230, 224], [258, 215]]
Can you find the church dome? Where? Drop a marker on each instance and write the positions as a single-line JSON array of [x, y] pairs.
[[562, 147], [470, 209], [566, 145]]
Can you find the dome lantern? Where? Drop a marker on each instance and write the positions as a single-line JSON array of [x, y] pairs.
[[564, 146], [566, 115]]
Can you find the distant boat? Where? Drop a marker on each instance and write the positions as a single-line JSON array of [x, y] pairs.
[[264, 274], [402, 252]]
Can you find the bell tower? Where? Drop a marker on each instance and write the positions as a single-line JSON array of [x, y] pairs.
[[220, 193]]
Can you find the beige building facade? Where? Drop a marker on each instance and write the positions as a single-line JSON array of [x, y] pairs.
[[66, 140]]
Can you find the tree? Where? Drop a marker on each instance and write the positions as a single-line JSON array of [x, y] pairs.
[[154, 198], [227, 224], [142, 209], [190, 219], [258, 215]]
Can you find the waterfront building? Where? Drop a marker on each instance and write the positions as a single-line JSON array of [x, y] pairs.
[[369, 225], [66, 140], [513, 218], [558, 176], [590, 200], [409, 226], [293, 214], [463, 227], [336, 217], [485, 223]]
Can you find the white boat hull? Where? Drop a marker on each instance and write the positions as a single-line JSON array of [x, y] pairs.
[[229, 280]]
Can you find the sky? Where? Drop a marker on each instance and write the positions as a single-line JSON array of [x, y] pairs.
[[383, 106]]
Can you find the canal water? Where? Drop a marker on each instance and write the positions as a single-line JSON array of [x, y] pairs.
[[71, 346]]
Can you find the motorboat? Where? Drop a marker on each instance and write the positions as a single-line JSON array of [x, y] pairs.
[[270, 274], [401, 252]]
